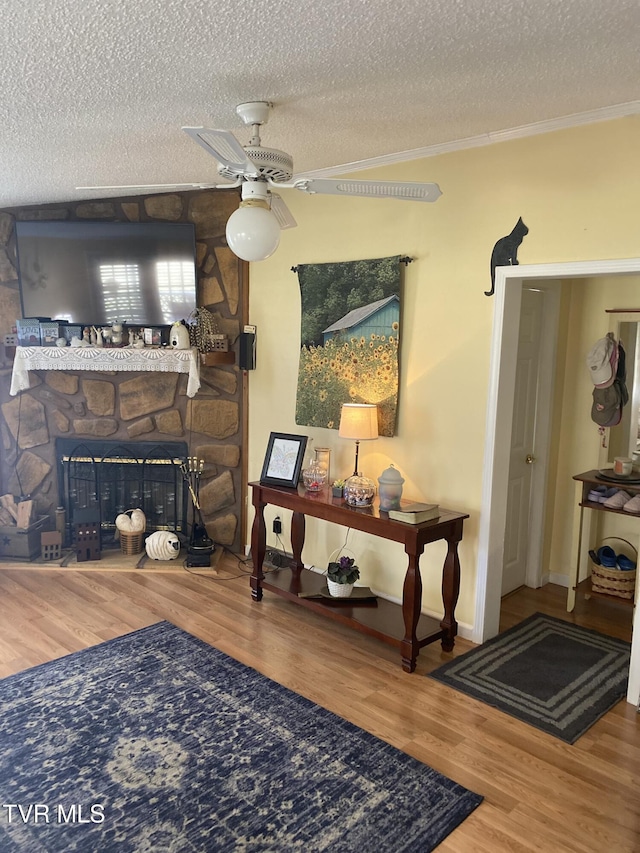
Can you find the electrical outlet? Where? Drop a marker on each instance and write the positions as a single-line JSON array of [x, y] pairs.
[[277, 525], [10, 340]]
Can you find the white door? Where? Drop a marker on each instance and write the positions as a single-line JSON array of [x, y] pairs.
[[522, 457]]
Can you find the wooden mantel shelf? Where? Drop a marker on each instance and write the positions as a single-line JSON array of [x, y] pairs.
[[217, 357], [108, 360]]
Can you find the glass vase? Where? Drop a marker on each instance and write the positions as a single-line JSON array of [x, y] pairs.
[[359, 491], [323, 458], [314, 477]]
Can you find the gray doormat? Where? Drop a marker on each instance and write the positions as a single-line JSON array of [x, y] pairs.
[[556, 676]]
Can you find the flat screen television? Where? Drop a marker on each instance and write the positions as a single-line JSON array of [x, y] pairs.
[[100, 273]]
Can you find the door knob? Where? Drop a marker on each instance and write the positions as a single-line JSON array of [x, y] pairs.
[[529, 459]]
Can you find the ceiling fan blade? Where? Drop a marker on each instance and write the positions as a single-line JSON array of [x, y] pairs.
[[224, 147], [402, 190], [161, 187], [281, 212]]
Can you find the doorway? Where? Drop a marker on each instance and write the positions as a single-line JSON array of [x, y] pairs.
[[504, 347]]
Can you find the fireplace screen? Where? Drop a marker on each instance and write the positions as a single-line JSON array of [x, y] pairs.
[[113, 477]]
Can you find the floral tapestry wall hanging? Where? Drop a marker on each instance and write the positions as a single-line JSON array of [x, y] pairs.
[[350, 330]]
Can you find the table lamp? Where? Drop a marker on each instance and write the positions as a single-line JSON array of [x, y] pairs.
[[360, 422]]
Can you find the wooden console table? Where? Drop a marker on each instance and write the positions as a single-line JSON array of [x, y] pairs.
[[403, 625]]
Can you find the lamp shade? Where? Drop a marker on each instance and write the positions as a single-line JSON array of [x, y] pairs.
[[253, 233], [358, 421]]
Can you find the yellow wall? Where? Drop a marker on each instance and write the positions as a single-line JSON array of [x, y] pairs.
[[577, 191]]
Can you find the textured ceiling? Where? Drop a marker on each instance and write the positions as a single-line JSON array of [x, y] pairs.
[[95, 91]]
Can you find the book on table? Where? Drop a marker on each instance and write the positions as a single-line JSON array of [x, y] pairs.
[[415, 513]]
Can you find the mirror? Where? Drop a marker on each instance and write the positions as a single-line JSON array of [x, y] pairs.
[[624, 438]]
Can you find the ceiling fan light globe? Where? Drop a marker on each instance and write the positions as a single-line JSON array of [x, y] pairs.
[[253, 233]]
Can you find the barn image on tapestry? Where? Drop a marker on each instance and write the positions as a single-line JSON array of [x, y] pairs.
[[350, 328]]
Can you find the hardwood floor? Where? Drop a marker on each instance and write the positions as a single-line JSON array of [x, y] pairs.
[[540, 793]]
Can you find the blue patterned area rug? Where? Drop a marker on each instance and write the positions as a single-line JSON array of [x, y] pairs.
[[549, 673], [157, 742]]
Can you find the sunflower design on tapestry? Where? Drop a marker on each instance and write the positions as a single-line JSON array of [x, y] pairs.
[[350, 330]]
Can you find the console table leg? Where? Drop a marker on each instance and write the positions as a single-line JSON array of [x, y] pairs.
[[450, 592], [258, 549], [411, 603], [297, 539]]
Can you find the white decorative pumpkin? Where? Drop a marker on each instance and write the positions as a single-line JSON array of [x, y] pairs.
[[123, 522], [138, 520], [162, 545], [131, 521]]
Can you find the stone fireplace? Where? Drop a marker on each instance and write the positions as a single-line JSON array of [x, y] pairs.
[[133, 409]]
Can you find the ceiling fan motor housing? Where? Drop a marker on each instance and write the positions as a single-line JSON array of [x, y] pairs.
[[272, 163]]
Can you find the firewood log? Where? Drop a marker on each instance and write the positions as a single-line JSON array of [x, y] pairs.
[[25, 510], [9, 503]]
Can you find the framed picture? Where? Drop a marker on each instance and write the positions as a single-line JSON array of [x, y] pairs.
[[152, 336], [283, 460]]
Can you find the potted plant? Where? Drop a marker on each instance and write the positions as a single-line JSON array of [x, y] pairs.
[[341, 576], [337, 488]]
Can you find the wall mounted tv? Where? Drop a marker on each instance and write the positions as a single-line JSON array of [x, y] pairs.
[[100, 273]]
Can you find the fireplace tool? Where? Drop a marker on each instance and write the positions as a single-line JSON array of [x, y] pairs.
[[201, 546]]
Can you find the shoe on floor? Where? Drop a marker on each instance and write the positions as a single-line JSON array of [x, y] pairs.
[[618, 500], [633, 505]]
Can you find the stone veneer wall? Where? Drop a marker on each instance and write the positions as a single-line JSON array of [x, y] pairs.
[[145, 406]]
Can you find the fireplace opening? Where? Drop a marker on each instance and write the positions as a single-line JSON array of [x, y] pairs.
[[111, 477]]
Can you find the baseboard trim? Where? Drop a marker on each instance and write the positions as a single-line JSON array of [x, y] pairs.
[[559, 580]]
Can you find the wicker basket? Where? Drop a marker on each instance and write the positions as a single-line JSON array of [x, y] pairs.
[[131, 541], [614, 581], [339, 590]]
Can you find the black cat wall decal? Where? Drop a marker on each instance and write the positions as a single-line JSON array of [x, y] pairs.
[[505, 251]]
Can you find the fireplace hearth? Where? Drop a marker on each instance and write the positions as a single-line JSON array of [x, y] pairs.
[[111, 477]]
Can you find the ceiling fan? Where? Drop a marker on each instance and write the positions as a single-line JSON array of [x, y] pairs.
[[253, 231]]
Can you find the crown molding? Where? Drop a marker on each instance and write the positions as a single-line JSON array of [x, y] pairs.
[[525, 130]]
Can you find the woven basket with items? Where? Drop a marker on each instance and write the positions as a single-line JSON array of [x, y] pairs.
[[131, 526], [613, 574]]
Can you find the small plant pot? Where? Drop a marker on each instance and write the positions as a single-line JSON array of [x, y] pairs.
[[337, 491], [339, 590]]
